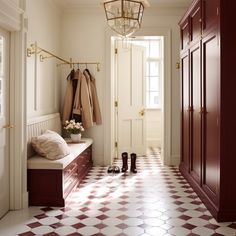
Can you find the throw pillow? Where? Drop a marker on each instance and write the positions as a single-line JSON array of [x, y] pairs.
[[50, 145]]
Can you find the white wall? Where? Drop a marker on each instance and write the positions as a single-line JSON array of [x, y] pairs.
[[170, 19], [43, 78], [83, 38], [81, 35], [154, 127]]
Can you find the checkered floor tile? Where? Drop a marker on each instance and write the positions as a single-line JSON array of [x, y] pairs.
[[155, 201]]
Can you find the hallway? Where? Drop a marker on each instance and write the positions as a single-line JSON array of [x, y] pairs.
[[155, 201]]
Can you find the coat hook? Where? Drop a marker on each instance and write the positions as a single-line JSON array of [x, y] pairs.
[[41, 57], [98, 66], [71, 64]]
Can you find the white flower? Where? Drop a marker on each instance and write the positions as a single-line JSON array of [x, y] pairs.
[[73, 127]]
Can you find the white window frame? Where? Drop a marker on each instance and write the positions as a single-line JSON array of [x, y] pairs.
[[160, 60]]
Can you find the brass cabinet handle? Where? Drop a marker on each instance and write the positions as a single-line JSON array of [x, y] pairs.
[[8, 126], [201, 111], [190, 108]]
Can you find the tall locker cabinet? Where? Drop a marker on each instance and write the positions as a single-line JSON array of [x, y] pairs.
[[208, 86]]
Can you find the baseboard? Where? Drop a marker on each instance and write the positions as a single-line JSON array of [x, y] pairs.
[[175, 160], [98, 160], [154, 143]]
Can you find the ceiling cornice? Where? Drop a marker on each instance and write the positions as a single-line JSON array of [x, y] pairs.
[[81, 6]]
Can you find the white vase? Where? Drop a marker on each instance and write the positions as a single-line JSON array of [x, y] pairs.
[[75, 138]]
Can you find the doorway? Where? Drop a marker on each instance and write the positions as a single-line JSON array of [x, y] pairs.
[[4, 123], [138, 75], [110, 151]]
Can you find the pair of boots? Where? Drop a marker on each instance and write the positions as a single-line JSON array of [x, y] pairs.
[[125, 162]]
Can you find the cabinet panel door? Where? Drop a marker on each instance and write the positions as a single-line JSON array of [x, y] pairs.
[[184, 29], [185, 111], [195, 67], [195, 22], [211, 114], [210, 12]]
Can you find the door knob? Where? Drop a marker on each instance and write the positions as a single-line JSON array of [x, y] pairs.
[[8, 126], [142, 112]]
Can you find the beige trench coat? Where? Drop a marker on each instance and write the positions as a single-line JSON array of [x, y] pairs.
[[97, 117], [68, 100]]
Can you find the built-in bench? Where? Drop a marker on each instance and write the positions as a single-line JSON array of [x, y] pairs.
[[51, 181]]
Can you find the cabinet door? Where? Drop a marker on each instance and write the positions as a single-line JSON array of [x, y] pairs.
[[195, 22], [185, 150], [195, 74], [184, 31], [211, 154], [210, 13]]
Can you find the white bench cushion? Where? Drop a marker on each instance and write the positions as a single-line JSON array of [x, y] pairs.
[[38, 162]]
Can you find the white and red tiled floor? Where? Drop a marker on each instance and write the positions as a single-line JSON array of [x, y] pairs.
[[155, 201]]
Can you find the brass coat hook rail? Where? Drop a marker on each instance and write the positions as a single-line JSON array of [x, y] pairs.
[[73, 64], [35, 49]]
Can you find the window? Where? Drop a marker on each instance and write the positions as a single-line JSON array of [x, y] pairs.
[[154, 70]]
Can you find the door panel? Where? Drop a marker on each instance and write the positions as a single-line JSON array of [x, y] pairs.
[[195, 60], [4, 118], [185, 111], [210, 13], [195, 22], [131, 132], [211, 119], [184, 34]]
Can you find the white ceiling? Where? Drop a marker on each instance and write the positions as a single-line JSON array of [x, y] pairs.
[[65, 4]]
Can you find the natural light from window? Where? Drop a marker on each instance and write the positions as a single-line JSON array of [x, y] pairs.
[[154, 70]]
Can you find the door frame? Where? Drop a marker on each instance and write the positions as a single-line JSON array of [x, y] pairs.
[[109, 118], [13, 20], [5, 132]]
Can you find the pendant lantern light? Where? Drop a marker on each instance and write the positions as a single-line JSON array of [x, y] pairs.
[[124, 16]]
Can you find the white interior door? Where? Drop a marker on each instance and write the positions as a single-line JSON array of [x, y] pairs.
[[131, 122], [4, 125]]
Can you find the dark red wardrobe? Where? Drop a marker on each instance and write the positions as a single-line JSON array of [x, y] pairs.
[[208, 104]]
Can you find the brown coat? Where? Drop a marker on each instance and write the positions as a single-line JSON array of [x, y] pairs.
[[82, 105], [97, 117], [68, 100]]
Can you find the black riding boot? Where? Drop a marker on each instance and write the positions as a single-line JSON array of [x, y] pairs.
[[133, 163], [125, 161]]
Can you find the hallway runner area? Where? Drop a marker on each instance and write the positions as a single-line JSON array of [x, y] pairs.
[[156, 201]]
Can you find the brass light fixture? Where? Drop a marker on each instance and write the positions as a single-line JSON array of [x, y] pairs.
[[124, 16]]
